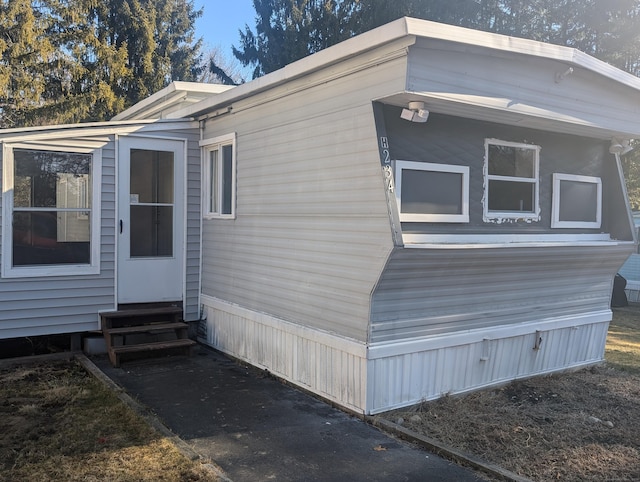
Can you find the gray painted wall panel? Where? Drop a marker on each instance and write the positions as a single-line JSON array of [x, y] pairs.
[[456, 141]]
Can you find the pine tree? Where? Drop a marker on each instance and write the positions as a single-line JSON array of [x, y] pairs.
[[25, 58], [65, 61]]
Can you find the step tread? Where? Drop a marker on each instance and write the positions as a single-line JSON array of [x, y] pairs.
[[167, 310], [159, 345], [147, 327]]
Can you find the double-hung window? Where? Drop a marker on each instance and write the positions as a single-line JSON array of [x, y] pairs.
[[219, 177], [50, 212], [577, 201], [511, 181], [434, 193]]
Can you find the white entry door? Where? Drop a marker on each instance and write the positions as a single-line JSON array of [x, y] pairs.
[[150, 220]]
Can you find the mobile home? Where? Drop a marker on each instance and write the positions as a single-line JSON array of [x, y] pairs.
[[420, 210]]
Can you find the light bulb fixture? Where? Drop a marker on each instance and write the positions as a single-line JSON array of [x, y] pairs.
[[415, 113], [620, 146]]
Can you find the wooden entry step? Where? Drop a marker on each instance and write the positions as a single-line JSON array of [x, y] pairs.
[[140, 331]]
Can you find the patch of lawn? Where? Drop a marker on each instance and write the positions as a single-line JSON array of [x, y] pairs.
[[59, 423], [623, 341], [575, 427]]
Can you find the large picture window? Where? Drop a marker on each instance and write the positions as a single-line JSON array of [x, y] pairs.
[[511, 180], [219, 180], [577, 201], [435, 193], [49, 212]]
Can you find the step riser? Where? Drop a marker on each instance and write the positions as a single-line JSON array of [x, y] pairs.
[[133, 332]]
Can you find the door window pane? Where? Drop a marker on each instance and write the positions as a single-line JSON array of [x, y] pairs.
[[152, 176], [151, 198], [151, 231]]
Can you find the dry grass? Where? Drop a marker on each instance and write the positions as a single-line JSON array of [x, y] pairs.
[[58, 423], [580, 426]]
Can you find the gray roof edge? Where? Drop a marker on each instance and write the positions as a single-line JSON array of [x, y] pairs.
[[361, 43], [411, 28]]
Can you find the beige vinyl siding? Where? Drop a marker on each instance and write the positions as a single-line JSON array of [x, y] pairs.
[[312, 232], [426, 292]]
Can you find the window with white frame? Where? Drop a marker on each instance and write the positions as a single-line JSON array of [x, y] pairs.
[[219, 177], [435, 193], [577, 201], [511, 180], [50, 212]]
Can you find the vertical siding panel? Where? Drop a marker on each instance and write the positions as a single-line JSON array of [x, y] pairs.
[[400, 379], [328, 365]]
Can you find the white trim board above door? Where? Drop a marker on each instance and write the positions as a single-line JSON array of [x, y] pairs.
[[150, 228]]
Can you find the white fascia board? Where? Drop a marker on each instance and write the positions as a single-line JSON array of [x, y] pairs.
[[93, 129]]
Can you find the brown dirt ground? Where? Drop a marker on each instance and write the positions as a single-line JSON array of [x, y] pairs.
[[577, 426], [57, 423]]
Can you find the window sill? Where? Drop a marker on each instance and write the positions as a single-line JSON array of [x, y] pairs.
[[49, 271], [208, 217], [506, 240]]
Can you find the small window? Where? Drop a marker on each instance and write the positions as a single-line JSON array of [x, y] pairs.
[[577, 201], [511, 180], [51, 215], [219, 192], [433, 193]]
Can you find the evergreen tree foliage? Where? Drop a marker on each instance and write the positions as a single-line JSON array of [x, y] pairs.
[[288, 30], [65, 61]]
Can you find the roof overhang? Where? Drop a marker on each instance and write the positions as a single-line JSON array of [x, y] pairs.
[[175, 96], [505, 111], [407, 32]]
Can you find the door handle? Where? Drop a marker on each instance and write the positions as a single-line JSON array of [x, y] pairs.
[[121, 226]]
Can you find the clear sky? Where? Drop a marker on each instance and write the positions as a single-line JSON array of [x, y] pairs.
[[221, 20]]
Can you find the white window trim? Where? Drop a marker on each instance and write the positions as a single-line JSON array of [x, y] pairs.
[[556, 201], [9, 271], [207, 146], [433, 218], [501, 216]]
